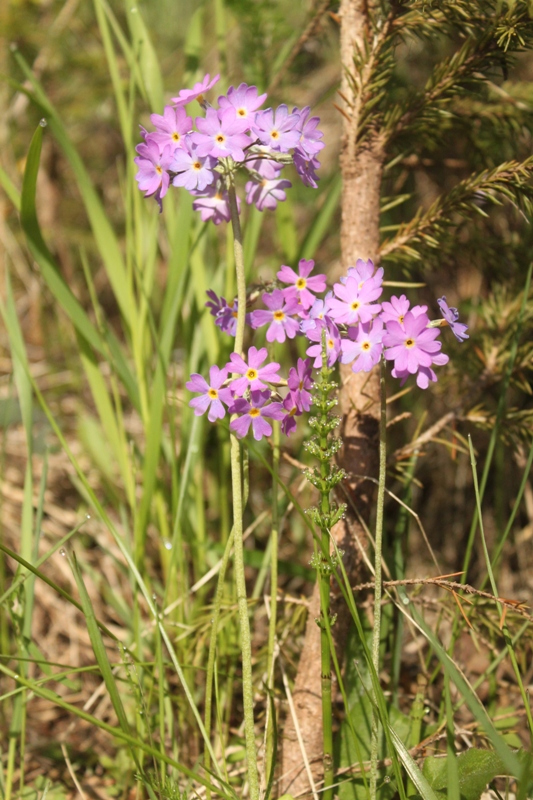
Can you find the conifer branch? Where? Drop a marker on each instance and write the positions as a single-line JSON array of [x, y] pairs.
[[510, 180]]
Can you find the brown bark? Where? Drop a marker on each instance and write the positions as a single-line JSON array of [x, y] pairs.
[[362, 167]]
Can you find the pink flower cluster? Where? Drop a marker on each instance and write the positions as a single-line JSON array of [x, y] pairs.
[[357, 330], [249, 395], [262, 142]]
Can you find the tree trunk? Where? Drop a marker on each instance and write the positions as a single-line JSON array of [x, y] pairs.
[[362, 167]]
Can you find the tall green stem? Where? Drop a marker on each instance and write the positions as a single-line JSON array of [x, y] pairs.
[[376, 636], [269, 736], [324, 446], [324, 587], [238, 510]]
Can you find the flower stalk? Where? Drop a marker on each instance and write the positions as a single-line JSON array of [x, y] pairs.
[[323, 445], [238, 511], [376, 636]]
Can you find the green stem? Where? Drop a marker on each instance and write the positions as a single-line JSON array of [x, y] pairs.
[[376, 636], [238, 510], [274, 535], [325, 652]]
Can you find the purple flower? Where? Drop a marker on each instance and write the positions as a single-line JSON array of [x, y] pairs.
[[301, 281], [225, 315], [305, 167], [255, 377], [424, 374], [264, 168], [309, 144], [171, 127], [363, 272], [411, 345], [364, 346], [281, 324], [398, 307], [353, 304], [253, 413], [194, 172], [221, 134], [214, 205], [211, 395], [277, 129], [187, 95], [153, 166], [300, 382], [317, 314], [451, 315], [333, 344], [244, 100], [266, 194], [291, 407]]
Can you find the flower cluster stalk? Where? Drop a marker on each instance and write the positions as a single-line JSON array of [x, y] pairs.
[[376, 636], [238, 510], [324, 477]]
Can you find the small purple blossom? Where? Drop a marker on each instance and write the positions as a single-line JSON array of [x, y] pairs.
[[193, 171], [451, 315], [363, 346], [317, 314], [225, 315], [290, 405], [363, 272], [153, 166], [302, 283], [309, 144], [245, 100], [398, 307], [305, 167], [278, 317], [267, 194], [253, 413], [353, 304], [254, 376], [211, 394], [300, 383], [171, 128], [411, 345], [214, 206], [333, 344], [424, 374], [277, 129], [188, 95], [221, 134]]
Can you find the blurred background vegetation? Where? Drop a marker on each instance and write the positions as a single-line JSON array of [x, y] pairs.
[[167, 501]]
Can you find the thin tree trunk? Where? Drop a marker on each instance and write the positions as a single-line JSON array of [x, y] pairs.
[[362, 167]]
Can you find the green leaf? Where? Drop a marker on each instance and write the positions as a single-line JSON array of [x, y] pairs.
[[476, 769]]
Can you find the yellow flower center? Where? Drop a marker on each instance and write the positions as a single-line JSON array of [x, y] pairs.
[[254, 412], [213, 394], [409, 343], [400, 319], [330, 343], [301, 385], [241, 112], [197, 165], [251, 374], [158, 170], [221, 138], [274, 135], [176, 136], [279, 315], [365, 346], [355, 305], [301, 283]]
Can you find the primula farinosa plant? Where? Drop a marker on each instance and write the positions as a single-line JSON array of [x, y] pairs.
[[348, 323], [345, 325], [202, 156]]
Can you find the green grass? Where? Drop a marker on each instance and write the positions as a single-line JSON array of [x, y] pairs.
[[135, 665]]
